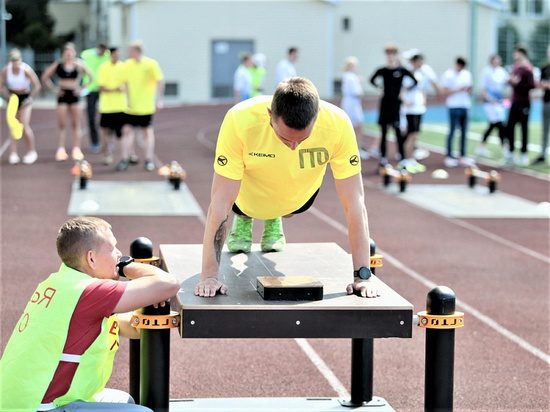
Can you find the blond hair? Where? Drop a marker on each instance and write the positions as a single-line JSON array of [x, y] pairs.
[[350, 62], [77, 236]]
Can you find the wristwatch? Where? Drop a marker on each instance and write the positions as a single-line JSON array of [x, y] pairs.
[[363, 273], [122, 263]]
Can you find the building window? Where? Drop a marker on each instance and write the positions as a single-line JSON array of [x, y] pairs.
[[535, 7], [346, 24], [514, 6]]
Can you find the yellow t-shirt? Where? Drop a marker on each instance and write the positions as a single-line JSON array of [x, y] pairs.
[[276, 180], [111, 76], [142, 78]]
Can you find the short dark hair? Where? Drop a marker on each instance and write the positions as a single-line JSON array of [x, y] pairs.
[[296, 101], [292, 50], [78, 235], [113, 49], [522, 49], [461, 61]]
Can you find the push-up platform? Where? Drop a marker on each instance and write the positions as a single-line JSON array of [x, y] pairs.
[[243, 313]]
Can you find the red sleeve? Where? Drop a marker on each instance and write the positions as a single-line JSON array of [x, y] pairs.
[[97, 302]]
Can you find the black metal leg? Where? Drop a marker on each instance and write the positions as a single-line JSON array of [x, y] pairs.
[[362, 354], [134, 369]]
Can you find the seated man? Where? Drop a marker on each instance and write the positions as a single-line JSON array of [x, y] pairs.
[[61, 352], [271, 156]]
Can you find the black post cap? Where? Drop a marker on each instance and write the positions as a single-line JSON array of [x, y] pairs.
[[441, 300], [141, 248]]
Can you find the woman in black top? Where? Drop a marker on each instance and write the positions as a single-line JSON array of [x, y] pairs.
[[392, 80], [69, 71]]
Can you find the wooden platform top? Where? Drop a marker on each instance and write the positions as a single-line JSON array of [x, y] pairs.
[[327, 262]]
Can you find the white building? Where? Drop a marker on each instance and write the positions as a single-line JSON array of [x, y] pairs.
[[197, 42]]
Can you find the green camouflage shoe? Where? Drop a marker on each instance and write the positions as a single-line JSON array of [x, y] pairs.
[[273, 238], [240, 235]]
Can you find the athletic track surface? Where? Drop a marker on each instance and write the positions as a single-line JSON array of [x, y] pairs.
[[498, 269]]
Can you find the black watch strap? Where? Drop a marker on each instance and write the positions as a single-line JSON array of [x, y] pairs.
[[363, 273], [122, 263]]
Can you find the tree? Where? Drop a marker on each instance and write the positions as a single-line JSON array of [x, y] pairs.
[[508, 38], [540, 39], [31, 25]]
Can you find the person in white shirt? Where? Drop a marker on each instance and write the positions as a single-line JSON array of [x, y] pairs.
[[429, 78], [492, 81], [414, 106], [285, 68], [242, 80], [352, 100], [456, 84]]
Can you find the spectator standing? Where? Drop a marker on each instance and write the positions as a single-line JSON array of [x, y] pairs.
[[414, 106], [522, 82], [492, 81], [545, 85], [392, 76], [20, 79], [69, 71], [145, 88], [429, 77], [457, 86], [112, 101], [93, 58], [286, 68], [242, 79], [257, 73], [352, 100]]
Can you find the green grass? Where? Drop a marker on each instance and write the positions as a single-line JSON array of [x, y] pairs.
[[435, 134]]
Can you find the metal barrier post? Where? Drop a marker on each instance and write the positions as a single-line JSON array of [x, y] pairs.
[[440, 320], [154, 356]]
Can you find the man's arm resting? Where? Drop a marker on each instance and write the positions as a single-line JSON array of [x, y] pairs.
[[125, 326], [149, 285]]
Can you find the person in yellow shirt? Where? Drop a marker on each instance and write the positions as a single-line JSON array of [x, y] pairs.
[[145, 88], [112, 101], [271, 157]]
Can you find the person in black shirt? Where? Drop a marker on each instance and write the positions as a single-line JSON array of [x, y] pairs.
[[392, 79]]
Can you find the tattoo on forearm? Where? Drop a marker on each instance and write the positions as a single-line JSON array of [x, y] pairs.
[[219, 238]]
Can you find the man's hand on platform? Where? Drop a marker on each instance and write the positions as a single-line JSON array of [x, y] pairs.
[[208, 287], [363, 288]]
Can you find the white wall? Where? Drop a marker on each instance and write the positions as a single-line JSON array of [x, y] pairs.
[[439, 29], [178, 33]]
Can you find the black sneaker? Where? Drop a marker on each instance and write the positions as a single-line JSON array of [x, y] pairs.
[[123, 165], [149, 165], [540, 159]]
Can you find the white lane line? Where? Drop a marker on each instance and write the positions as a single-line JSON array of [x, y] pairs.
[[323, 368], [502, 241], [5, 146], [428, 283]]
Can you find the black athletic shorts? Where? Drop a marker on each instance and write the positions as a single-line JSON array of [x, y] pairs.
[[113, 121], [305, 207], [68, 97], [142, 121], [21, 98], [413, 122]]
